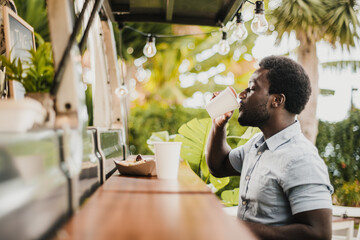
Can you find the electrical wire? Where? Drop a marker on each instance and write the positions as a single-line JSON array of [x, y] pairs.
[[168, 35]]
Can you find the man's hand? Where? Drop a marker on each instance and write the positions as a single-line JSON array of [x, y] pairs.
[[217, 149], [222, 120]]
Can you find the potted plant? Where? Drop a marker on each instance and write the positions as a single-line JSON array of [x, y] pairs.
[[36, 74]]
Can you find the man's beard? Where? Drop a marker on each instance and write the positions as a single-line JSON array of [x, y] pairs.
[[254, 117]]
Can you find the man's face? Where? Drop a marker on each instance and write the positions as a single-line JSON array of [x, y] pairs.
[[253, 109]]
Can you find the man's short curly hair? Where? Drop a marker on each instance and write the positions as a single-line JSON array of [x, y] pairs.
[[289, 78]]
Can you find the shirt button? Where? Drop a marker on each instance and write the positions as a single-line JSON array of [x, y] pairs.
[[244, 203], [247, 177]]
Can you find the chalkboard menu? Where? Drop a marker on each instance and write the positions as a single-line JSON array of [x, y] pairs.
[[19, 38]]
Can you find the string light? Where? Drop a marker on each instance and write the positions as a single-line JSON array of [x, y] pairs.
[[259, 25], [150, 48], [224, 47], [240, 31], [121, 91]]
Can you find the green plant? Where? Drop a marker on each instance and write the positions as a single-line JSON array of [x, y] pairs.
[[34, 12], [339, 146], [230, 197], [162, 136], [36, 73], [156, 117], [348, 194]]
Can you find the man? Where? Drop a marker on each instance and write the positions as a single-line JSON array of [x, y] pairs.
[[285, 192]]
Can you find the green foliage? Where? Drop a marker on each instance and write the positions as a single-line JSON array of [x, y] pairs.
[[230, 197], [89, 105], [193, 136], [162, 136], [155, 117], [36, 73], [348, 194], [34, 13], [333, 21], [339, 146], [339, 65]]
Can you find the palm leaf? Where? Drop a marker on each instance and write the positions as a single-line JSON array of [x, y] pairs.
[[333, 21], [298, 15], [338, 65]]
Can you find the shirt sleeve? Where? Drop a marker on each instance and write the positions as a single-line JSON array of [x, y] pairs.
[[236, 157], [307, 184], [309, 197]]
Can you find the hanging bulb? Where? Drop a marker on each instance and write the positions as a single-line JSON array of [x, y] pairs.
[[240, 31], [259, 25], [224, 47], [150, 49], [121, 91]]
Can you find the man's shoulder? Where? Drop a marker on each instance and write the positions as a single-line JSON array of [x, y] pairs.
[[299, 149]]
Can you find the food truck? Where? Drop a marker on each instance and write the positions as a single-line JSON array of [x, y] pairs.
[[55, 168]]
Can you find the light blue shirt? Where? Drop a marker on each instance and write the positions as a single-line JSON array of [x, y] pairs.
[[280, 177]]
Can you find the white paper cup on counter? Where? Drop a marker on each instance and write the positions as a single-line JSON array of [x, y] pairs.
[[167, 156], [225, 102]]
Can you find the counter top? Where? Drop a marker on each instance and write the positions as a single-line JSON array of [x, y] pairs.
[[187, 182], [136, 208]]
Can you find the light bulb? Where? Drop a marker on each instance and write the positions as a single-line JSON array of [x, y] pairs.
[[259, 25], [240, 31], [121, 91], [224, 47], [150, 49]]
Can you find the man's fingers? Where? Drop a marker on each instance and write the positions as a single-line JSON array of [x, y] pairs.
[[214, 95]]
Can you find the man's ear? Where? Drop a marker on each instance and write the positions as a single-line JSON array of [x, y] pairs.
[[278, 100]]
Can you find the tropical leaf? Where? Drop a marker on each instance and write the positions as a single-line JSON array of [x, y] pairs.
[[193, 135], [219, 183], [339, 65], [327, 92], [249, 133], [230, 197], [162, 136], [298, 15], [333, 21]]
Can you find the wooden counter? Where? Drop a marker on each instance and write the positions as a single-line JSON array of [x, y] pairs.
[[136, 208], [187, 182]]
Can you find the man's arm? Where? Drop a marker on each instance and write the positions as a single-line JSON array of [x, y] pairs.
[[217, 149], [314, 224]]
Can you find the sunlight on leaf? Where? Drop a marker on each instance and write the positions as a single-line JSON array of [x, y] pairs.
[[219, 183], [193, 135], [249, 133], [230, 197], [162, 136]]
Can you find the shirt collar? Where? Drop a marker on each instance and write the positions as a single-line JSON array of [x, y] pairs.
[[281, 137]]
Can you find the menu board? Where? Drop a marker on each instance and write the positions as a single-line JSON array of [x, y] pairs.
[[19, 39]]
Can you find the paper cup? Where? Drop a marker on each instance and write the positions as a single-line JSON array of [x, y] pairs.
[[225, 102], [167, 155]]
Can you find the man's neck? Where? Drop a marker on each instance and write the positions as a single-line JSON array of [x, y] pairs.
[[276, 125]]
